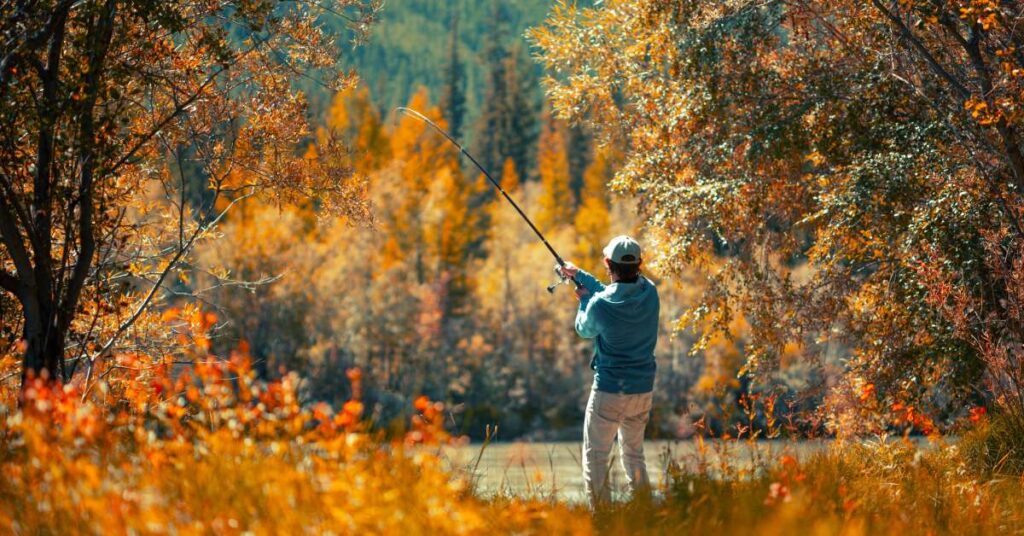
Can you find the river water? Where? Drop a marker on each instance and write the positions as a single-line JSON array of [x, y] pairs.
[[546, 470]]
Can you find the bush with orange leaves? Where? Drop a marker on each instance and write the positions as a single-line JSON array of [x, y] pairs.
[[161, 447]]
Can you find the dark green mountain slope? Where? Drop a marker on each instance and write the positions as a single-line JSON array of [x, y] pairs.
[[408, 47]]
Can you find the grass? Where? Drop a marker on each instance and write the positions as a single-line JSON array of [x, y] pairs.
[[213, 451], [872, 488], [878, 486]]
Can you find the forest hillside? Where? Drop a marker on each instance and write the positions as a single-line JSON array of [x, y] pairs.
[[409, 47]]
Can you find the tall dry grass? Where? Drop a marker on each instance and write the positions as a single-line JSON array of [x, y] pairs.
[[154, 447], [208, 449]]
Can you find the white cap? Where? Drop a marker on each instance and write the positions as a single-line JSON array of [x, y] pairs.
[[623, 250]]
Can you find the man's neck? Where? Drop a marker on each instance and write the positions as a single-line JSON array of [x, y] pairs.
[[615, 279]]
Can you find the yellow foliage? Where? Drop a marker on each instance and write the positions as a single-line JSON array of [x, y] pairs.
[[556, 204], [423, 213], [509, 177], [353, 114], [592, 220], [160, 448]]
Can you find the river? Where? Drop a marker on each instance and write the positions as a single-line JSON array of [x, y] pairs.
[[546, 470]]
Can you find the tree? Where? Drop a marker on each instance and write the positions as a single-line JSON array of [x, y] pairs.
[[101, 102], [353, 116], [453, 97], [431, 220], [592, 219], [493, 122], [522, 109], [509, 177], [580, 158], [556, 204], [827, 151], [500, 242], [507, 124], [266, 246]]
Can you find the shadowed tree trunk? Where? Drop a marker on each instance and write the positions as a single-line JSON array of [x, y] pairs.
[[49, 286]]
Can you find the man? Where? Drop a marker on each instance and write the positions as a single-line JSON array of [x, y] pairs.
[[623, 317]]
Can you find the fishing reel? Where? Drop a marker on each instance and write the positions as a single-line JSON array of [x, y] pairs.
[[562, 280]]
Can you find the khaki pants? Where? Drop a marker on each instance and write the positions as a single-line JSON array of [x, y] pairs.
[[608, 415]]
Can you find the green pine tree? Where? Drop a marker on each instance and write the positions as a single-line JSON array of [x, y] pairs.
[[523, 107], [580, 157], [491, 125], [453, 96]]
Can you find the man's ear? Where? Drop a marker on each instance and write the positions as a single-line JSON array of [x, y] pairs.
[[606, 265]]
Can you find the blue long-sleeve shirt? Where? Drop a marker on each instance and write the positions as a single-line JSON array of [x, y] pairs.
[[623, 317]]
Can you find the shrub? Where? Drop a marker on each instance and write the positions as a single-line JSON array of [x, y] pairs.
[[208, 449], [995, 446]]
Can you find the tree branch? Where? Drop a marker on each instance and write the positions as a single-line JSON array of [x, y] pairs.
[[10, 283], [1006, 132], [42, 201], [12, 239], [145, 138], [128, 322], [100, 44], [957, 86]]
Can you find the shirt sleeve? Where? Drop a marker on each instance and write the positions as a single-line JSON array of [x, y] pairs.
[[588, 318], [588, 282]]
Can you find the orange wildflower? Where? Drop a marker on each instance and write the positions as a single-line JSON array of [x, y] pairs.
[[353, 407], [421, 403]]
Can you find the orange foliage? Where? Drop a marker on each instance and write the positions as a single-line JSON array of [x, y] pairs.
[[208, 449], [353, 114]]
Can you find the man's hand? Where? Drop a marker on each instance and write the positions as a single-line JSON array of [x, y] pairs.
[[581, 292], [568, 270]]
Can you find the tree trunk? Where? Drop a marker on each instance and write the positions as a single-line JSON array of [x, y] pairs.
[[44, 347]]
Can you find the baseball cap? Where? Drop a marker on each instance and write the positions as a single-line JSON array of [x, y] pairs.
[[623, 250]]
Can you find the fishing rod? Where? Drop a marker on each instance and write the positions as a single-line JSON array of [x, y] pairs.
[[558, 258]]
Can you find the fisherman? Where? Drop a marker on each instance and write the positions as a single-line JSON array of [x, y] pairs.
[[623, 317]]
